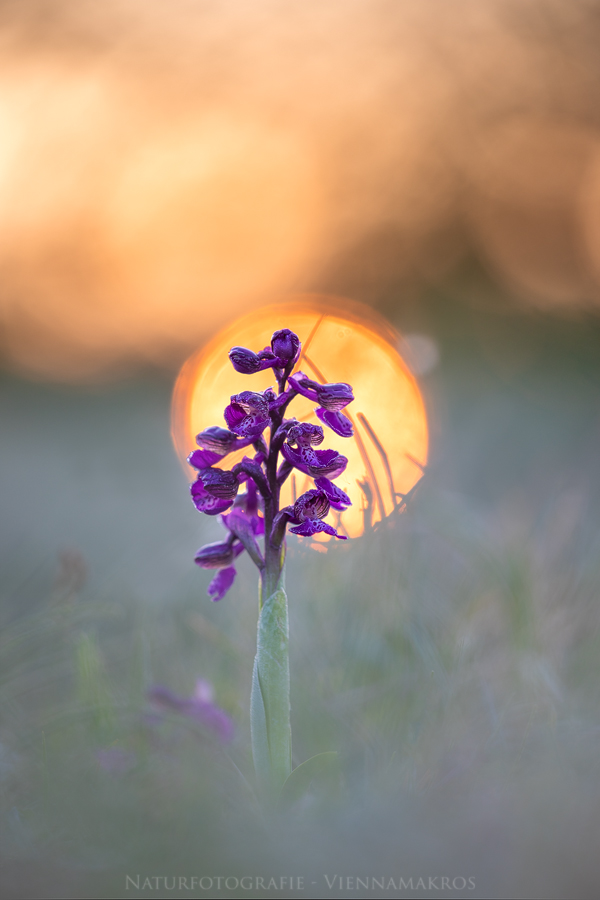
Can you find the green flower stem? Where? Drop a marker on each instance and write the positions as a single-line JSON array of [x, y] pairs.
[[270, 698]]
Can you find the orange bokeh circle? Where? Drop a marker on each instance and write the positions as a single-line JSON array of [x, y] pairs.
[[341, 341]]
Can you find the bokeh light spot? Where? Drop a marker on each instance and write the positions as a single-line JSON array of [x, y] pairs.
[[342, 341]]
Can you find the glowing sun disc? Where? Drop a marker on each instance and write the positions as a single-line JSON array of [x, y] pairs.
[[341, 341]]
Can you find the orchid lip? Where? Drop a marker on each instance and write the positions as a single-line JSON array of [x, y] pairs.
[[313, 504], [314, 526], [315, 462]]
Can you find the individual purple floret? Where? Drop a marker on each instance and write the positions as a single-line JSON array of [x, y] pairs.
[[248, 414], [315, 462], [330, 396], [254, 514], [205, 502], [305, 435], [199, 707], [308, 512], [338, 498], [220, 483]]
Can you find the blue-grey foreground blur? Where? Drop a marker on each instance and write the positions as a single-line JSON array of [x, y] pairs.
[[452, 658]]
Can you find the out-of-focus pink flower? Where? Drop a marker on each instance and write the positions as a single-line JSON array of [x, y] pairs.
[[199, 707]]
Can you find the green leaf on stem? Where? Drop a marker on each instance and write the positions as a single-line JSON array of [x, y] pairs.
[[300, 780], [270, 698]]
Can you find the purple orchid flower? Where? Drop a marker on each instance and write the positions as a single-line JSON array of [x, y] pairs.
[[303, 457], [207, 503], [338, 422], [311, 527], [305, 434], [215, 444], [330, 396], [219, 555], [199, 707], [220, 483], [308, 512], [338, 499], [315, 462], [248, 414], [282, 354], [220, 440], [247, 362], [331, 399], [255, 513]]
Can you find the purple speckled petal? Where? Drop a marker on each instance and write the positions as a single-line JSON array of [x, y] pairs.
[[305, 434], [220, 440], [221, 583], [315, 462], [220, 483], [202, 459], [338, 498], [336, 421], [303, 385], [314, 526], [207, 503], [247, 414], [311, 505], [335, 396], [244, 360]]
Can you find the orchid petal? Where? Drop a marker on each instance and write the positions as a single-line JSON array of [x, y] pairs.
[[338, 498], [202, 459], [207, 503], [336, 421], [221, 583], [315, 462], [314, 526]]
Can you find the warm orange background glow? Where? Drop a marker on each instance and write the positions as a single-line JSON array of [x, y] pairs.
[[342, 341], [166, 166]]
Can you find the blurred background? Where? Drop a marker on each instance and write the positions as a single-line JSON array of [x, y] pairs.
[[165, 168]]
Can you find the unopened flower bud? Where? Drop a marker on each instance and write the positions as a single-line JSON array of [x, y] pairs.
[[216, 556], [286, 345], [244, 360], [220, 440]]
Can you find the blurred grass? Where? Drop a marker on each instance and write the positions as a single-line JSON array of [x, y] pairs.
[[451, 656]]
